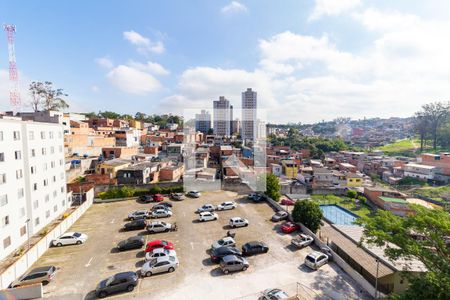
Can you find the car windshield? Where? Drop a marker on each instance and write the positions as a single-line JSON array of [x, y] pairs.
[[77, 234], [109, 280], [152, 262], [220, 242], [309, 258], [164, 243]]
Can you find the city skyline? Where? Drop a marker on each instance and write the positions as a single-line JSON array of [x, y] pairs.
[[356, 58]]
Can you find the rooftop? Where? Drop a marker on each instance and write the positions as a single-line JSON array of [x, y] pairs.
[[393, 200]]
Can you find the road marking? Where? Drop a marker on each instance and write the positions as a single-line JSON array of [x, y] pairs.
[[89, 262], [112, 221], [184, 214], [192, 245]]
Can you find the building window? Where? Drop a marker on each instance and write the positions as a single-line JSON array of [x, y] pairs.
[[52, 164], [60, 162], [2, 178], [2, 156], [31, 135], [20, 193], [33, 169], [19, 174], [5, 221], [55, 194], [23, 230], [47, 198], [60, 149], [1, 135], [36, 204], [62, 190], [34, 186], [18, 155], [45, 182], [47, 214], [54, 178], [50, 134], [52, 149], [42, 135], [22, 212], [55, 208], [44, 151], [44, 166], [7, 242], [16, 135], [36, 222], [33, 153], [3, 200]]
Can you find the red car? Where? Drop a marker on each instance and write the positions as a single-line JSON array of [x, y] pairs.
[[287, 201], [289, 227], [155, 244], [158, 198]]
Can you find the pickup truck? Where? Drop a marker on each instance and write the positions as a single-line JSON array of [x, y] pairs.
[[302, 240]]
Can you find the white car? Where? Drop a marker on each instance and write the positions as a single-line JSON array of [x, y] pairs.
[[70, 238], [161, 213], [159, 265], [224, 242], [226, 205], [274, 294], [302, 240], [194, 194], [238, 222], [159, 252], [316, 259], [206, 207], [208, 216]]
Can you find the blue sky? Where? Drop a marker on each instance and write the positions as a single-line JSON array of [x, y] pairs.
[[308, 60]]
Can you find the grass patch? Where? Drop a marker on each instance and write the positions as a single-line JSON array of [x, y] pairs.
[[126, 192], [361, 210], [400, 147], [440, 194]]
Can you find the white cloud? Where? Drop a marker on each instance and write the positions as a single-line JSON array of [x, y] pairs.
[[332, 8], [144, 44], [150, 67], [95, 88], [105, 62], [132, 80], [233, 7]]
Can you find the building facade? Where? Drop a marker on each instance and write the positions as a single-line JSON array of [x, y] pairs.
[[32, 179], [203, 121], [248, 122], [222, 117]]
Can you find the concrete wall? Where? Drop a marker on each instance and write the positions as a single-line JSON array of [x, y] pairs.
[[33, 291], [104, 187], [31, 256]]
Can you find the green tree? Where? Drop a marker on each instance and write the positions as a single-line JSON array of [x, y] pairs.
[[352, 194], [435, 113], [108, 114], [422, 236], [45, 97], [272, 187], [362, 199], [308, 213]]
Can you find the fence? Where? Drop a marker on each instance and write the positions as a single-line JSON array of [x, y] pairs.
[[32, 255]]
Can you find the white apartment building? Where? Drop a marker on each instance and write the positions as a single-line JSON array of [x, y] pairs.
[[32, 179], [418, 171], [248, 122]]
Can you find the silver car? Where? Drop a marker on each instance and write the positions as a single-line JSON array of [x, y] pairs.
[[159, 265], [224, 242], [139, 214], [161, 213], [316, 259], [38, 275], [233, 263], [158, 226], [206, 208], [279, 215], [273, 294], [238, 222]]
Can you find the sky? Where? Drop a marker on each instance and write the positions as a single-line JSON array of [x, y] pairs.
[[308, 60]]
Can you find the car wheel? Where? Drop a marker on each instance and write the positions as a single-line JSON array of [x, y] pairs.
[[45, 282], [167, 230], [130, 288], [266, 250], [246, 224], [102, 294], [244, 268], [148, 274], [59, 245], [171, 269], [226, 271], [15, 286], [78, 242], [215, 218], [151, 231], [202, 220]]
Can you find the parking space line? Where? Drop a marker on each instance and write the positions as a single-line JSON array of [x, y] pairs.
[[89, 262], [112, 221], [192, 245]]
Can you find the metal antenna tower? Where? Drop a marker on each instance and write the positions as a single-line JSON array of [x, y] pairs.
[[14, 95]]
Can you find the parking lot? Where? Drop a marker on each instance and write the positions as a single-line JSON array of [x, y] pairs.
[[83, 266]]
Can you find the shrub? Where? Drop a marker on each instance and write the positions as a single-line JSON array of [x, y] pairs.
[[352, 194], [273, 187], [155, 190], [362, 199]]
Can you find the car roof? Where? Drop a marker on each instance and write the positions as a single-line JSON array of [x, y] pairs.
[[230, 257], [157, 222], [158, 250], [124, 274], [255, 243], [222, 250], [41, 269], [227, 238], [133, 238], [236, 218], [205, 213], [315, 254]]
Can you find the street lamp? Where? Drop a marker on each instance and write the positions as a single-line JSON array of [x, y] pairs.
[[376, 279], [28, 232]]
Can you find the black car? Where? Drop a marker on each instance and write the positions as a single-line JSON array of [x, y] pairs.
[[166, 204], [254, 247], [135, 225], [125, 281], [218, 253], [134, 242], [146, 198]]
